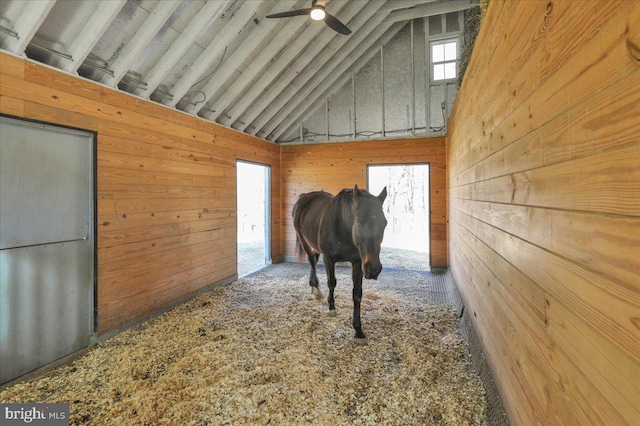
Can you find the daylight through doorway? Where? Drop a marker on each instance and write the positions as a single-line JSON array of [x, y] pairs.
[[406, 238], [253, 183]]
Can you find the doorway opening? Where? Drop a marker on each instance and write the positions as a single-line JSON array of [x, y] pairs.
[[406, 243], [253, 202]]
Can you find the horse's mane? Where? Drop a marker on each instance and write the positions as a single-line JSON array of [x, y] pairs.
[[346, 195], [344, 201]]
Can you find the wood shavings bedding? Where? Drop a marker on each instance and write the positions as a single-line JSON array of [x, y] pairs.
[[263, 351]]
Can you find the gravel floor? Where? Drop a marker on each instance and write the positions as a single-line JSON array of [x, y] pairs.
[[263, 351], [396, 258], [250, 257]]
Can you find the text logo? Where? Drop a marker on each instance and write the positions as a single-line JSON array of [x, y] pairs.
[[34, 414]]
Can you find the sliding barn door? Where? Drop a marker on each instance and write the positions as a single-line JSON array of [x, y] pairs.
[[46, 244]]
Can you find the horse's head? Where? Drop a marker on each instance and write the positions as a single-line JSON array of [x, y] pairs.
[[368, 229]]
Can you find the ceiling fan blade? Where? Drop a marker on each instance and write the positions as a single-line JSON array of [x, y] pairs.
[[298, 12], [336, 25]]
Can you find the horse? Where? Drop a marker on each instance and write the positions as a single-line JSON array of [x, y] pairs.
[[346, 228]]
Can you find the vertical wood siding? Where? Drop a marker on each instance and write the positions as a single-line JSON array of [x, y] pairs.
[[334, 166], [166, 213], [544, 207]]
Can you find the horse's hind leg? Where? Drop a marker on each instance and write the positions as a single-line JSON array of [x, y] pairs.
[[313, 278], [313, 261]]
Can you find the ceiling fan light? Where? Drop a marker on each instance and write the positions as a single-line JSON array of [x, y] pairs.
[[317, 14]]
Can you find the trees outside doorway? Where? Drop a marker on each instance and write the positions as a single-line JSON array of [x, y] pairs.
[[406, 238]]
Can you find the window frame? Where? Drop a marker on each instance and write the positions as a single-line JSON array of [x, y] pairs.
[[443, 41]]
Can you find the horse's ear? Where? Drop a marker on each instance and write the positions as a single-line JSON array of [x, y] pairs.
[[356, 192], [383, 195]]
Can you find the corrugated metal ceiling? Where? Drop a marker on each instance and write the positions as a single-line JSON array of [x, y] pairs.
[[222, 60]]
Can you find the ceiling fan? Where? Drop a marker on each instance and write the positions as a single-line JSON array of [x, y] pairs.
[[317, 13]]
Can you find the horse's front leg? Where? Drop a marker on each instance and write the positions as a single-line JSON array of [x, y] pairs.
[[356, 273], [330, 267]]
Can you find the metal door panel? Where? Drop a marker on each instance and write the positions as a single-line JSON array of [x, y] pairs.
[[45, 190], [46, 244], [46, 300]]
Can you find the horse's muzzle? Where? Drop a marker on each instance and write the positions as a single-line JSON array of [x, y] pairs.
[[372, 270]]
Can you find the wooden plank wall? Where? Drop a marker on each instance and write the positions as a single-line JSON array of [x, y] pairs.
[[544, 207], [166, 213], [334, 166]]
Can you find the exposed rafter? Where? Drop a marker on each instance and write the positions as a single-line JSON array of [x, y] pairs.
[[213, 52], [430, 9], [253, 89], [262, 96], [390, 6], [209, 12], [356, 60], [26, 26], [248, 48], [91, 33], [295, 94], [314, 67], [219, 59], [140, 40]]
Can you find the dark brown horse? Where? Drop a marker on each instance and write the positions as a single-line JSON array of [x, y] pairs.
[[346, 228]]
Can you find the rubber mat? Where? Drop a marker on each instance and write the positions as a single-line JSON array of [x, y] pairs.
[[443, 290]]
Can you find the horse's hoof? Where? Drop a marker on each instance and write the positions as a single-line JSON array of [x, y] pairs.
[[316, 292], [332, 313], [360, 341]]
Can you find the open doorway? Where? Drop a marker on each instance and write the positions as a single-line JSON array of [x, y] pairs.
[[406, 238], [253, 184]]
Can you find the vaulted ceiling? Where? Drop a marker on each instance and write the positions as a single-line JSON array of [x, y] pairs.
[[222, 60]]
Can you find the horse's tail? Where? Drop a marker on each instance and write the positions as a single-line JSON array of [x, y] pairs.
[[299, 250], [308, 212]]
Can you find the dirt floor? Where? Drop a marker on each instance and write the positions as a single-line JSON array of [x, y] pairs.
[[262, 350]]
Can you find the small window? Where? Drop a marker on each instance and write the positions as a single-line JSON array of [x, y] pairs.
[[444, 57]]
